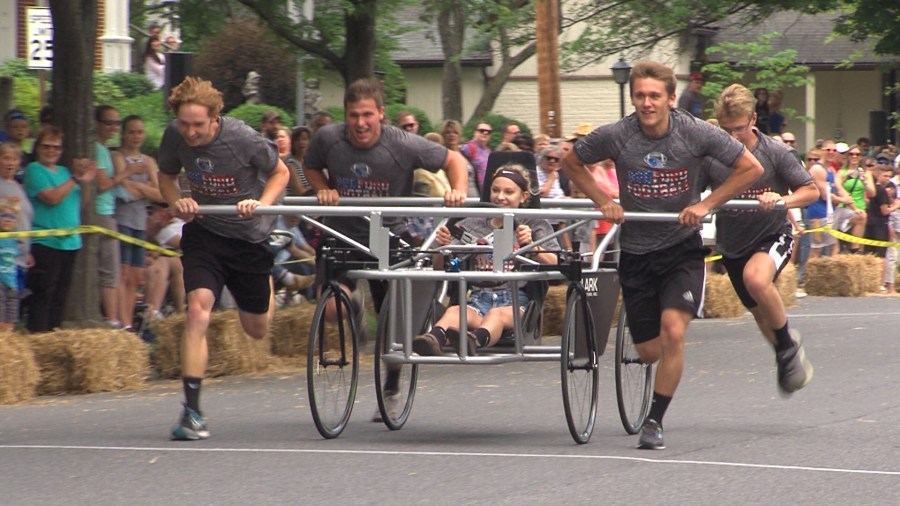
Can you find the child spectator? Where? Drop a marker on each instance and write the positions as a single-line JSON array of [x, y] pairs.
[[9, 252]]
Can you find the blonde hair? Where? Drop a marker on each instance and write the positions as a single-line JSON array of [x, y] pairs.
[[735, 101], [196, 91], [10, 147], [507, 146], [434, 137]]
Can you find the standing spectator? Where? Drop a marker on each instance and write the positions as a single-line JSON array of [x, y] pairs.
[[551, 186], [137, 174], [476, 151], [791, 142], [524, 142], [865, 145], [510, 131], [880, 209], [691, 100], [9, 279], [12, 191], [55, 194], [154, 62], [406, 120], [227, 163], [451, 131], [320, 119], [107, 125], [776, 119], [271, 122], [762, 110], [298, 184], [858, 184], [16, 130], [172, 44], [821, 243], [541, 142]]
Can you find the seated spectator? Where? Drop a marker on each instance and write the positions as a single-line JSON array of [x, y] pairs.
[[294, 267], [164, 273]]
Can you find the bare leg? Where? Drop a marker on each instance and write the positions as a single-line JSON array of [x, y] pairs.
[[668, 350]]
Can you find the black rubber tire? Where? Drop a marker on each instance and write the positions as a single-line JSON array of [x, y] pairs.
[[634, 380], [579, 368]]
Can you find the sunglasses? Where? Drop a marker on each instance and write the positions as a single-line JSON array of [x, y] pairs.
[[485, 131], [789, 141], [551, 159], [52, 146], [871, 165], [111, 122], [855, 154], [813, 159], [408, 126]]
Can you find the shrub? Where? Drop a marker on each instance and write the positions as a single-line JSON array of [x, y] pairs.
[[132, 84], [497, 122], [156, 117], [105, 90], [251, 114], [226, 57]]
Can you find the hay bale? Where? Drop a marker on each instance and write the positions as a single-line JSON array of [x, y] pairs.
[[19, 373], [787, 285], [554, 310], [230, 350], [290, 330], [843, 275], [721, 301], [89, 360]]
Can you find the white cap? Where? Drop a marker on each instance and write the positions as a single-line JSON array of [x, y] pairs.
[[841, 147]]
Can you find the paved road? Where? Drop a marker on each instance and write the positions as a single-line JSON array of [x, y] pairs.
[[497, 434]]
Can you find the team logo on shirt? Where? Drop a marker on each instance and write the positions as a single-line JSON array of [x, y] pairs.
[[655, 160], [361, 170], [204, 164]]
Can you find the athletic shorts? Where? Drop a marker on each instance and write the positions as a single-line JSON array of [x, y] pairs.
[[672, 278], [132, 254], [212, 261], [779, 248]]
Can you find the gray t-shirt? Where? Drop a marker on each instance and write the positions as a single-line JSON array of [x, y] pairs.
[[384, 170], [738, 232], [481, 228], [235, 166], [658, 174]]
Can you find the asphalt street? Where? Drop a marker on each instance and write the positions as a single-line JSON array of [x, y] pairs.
[[496, 434]]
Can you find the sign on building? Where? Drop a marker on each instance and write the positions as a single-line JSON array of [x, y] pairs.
[[40, 38]]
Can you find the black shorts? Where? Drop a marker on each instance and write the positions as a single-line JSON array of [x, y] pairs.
[[778, 247], [674, 277], [212, 261], [378, 289]]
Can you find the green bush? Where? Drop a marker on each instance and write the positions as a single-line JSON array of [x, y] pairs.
[[156, 117], [105, 90], [497, 122], [17, 67], [132, 84], [251, 114]]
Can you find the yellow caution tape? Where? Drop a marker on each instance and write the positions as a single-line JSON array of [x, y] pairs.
[[838, 234], [91, 229]]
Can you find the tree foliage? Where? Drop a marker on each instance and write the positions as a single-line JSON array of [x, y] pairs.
[[769, 69], [872, 20]]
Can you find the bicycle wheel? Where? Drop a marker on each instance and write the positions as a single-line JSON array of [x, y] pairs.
[[580, 371], [395, 386], [332, 365], [634, 380]]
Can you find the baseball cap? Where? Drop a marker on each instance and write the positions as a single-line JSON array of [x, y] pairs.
[[696, 76], [841, 147], [583, 129], [883, 159], [271, 116]]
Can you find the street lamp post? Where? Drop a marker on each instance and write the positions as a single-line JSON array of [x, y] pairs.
[[621, 71]]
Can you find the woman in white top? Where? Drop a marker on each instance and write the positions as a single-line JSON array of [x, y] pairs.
[[154, 62]]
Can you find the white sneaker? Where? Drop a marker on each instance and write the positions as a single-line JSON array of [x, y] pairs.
[[800, 293]]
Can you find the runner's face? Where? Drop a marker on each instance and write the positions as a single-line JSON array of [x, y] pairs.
[[364, 120], [740, 127], [652, 103], [196, 125], [506, 193]]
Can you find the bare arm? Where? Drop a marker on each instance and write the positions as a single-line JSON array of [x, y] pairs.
[[458, 175], [275, 185], [581, 176], [746, 171]]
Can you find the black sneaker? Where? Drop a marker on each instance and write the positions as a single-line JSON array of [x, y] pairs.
[[794, 370], [427, 345], [651, 437], [191, 427]]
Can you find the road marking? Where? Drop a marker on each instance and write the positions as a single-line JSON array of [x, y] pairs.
[[456, 454]]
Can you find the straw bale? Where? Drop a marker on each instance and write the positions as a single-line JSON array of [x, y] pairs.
[[554, 310], [721, 301], [843, 275], [230, 350], [19, 373], [89, 360], [787, 285], [290, 330]]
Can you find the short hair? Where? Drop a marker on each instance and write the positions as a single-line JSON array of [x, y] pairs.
[[398, 119], [100, 110], [297, 132], [735, 101], [540, 137], [49, 131], [10, 147], [128, 119], [14, 114], [452, 124], [194, 90], [507, 146], [653, 70], [434, 137], [524, 141], [816, 153], [863, 140], [363, 89]]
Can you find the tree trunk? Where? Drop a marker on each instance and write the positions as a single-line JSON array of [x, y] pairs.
[[359, 57], [496, 82], [452, 28], [74, 37]]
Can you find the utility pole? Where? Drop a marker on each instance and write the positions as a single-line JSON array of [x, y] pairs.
[[547, 28]]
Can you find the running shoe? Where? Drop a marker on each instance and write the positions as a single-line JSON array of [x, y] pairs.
[[191, 427], [392, 404], [651, 437], [794, 370], [427, 345]]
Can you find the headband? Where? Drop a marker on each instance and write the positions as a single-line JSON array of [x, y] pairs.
[[514, 176], [15, 116]]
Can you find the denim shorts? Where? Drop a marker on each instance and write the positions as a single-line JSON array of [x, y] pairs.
[[483, 300]]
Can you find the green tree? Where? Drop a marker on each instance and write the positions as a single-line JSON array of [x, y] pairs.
[[770, 70], [875, 21]]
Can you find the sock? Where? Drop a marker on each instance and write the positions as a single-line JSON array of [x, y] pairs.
[[658, 407], [482, 337], [783, 340], [440, 334], [192, 392]]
